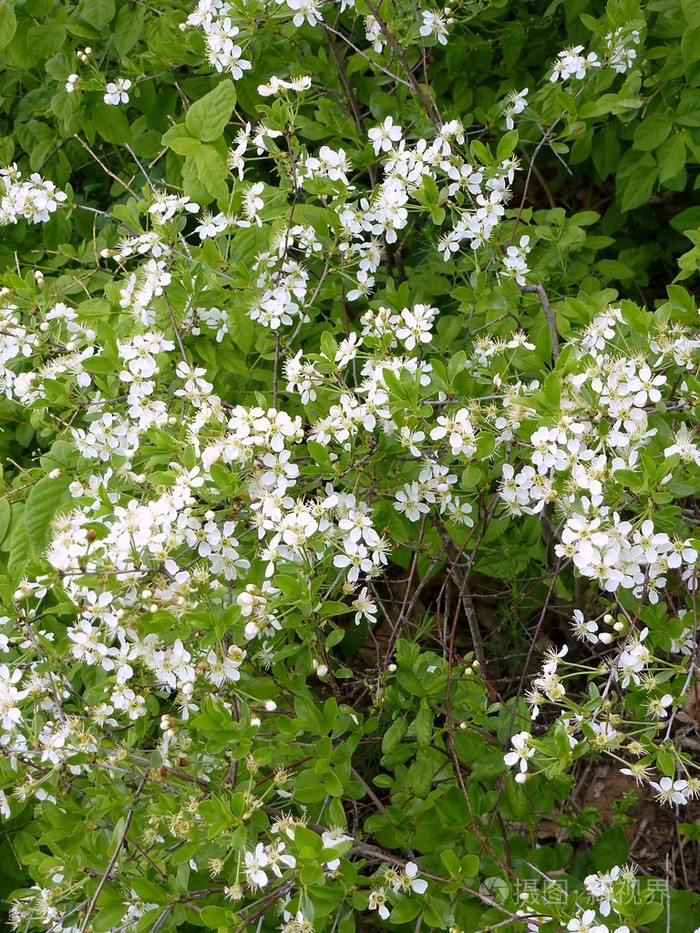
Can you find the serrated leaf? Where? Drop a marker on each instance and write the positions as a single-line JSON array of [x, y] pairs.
[[206, 118], [40, 507]]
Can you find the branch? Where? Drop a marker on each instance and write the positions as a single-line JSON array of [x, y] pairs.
[[548, 313], [429, 105], [113, 861]]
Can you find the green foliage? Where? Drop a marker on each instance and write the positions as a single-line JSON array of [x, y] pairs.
[[343, 391]]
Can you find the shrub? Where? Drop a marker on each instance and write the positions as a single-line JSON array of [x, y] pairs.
[[350, 464]]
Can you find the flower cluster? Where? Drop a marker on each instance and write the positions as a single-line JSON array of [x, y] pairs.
[[34, 200]]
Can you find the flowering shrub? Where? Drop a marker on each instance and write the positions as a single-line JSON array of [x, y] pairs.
[[350, 465]]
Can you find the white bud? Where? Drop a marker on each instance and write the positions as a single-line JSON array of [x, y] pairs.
[[146, 594], [392, 668], [270, 705], [44, 326], [606, 638], [153, 607], [54, 474]]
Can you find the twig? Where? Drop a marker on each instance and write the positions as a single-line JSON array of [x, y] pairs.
[[548, 313], [429, 105], [390, 74], [103, 166], [115, 855]]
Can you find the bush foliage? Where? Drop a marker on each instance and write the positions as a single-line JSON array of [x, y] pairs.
[[350, 465]]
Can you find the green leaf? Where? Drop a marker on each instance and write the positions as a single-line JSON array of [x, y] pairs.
[[215, 917], [606, 151], [407, 909], [206, 118], [688, 111], [451, 862], [636, 178], [47, 39], [5, 516], [691, 11], [423, 725], [610, 849], [506, 145], [97, 13], [690, 47], [40, 507], [8, 23], [319, 453], [111, 123], [19, 548], [108, 918], [185, 145], [671, 158], [666, 763], [652, 131], [128, 27], [394, 735], [99, 364], [211, 171]]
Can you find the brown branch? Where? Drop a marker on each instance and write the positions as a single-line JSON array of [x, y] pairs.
[[429, 106], [548, 313]]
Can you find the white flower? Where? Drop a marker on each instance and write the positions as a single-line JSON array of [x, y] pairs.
[[377, 901], [255, 862], [384, 136], [305, 10], [410, 502], [522, 751], [670, 791], [116, 91], [364, 607], [408, 880], [515, 103], [434, 24], [586, 923], [332, 837]]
